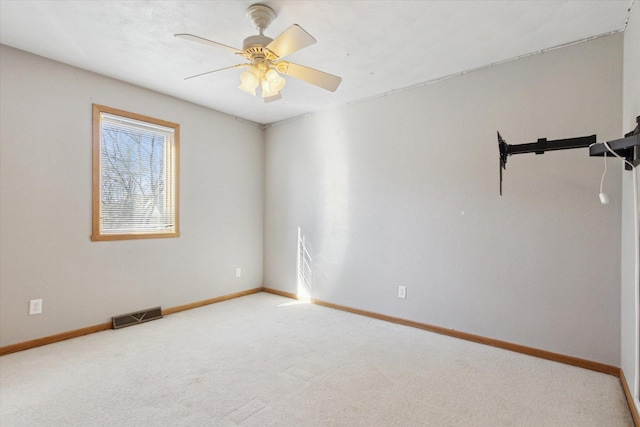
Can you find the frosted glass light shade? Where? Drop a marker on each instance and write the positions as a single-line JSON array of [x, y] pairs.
[[276, 83], [267, 90], [249, 82]]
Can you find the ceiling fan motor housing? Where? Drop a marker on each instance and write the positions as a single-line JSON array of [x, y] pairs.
[[254, 46]]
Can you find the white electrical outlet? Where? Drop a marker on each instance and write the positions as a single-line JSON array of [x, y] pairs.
[[402, 292], [238, 272], [35, 306]]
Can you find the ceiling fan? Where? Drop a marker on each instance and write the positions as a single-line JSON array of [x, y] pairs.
[[265, 57]]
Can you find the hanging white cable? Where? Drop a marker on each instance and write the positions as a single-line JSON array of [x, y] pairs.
[[606, 144], [604, 199]]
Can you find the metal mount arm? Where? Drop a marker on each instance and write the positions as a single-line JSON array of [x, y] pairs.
[[628, 147], [539, 147]]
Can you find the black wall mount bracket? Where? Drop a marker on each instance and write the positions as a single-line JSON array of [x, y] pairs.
[[627, 147]]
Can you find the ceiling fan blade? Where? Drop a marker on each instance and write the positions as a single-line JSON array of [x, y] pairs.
[[208, 42], [291, 40], [219, 69], [319, 78]]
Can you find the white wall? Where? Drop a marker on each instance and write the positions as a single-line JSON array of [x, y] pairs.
[[45, 204], [631, 109], [403, 190]]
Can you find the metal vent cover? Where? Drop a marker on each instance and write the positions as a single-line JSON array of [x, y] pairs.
[[137, 317]]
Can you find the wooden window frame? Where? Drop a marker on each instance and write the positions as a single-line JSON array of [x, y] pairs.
[[97, 234]]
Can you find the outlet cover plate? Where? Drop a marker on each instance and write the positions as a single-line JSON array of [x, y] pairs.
[[402, 292], [35, 306]]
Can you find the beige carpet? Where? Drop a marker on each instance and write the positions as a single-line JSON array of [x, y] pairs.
[[264, 360]]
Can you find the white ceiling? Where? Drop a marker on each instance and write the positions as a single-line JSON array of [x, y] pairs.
[[376, 46]]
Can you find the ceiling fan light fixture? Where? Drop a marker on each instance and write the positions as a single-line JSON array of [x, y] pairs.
[[267, 90], [249, 82], [276, 83], [272, 83]]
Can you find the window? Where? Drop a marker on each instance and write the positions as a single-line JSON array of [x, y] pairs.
[[135, 176]]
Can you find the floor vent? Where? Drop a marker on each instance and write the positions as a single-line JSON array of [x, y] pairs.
[[137, 317]]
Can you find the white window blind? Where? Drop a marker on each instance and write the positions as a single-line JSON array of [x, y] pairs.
[[137, 189]]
